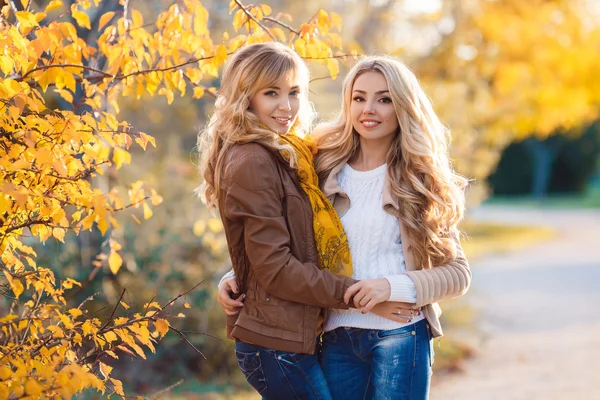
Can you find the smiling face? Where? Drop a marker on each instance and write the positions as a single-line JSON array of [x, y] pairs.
[[277, 106], [371, 110]]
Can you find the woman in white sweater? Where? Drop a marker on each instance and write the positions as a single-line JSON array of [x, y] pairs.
[[383, 163]]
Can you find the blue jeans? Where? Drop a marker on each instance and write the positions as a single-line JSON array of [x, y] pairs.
[[378, 364], [281, 375]]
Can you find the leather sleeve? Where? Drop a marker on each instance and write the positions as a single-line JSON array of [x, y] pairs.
[[253, 198]]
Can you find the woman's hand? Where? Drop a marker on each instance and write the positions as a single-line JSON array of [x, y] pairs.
[[225, 297], [395, 311], [368, 292]]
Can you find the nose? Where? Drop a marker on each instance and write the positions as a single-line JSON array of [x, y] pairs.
[[369, 108], [284, 104]]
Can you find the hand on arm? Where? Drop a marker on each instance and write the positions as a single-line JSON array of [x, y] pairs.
[[395, 311], [367, 293]]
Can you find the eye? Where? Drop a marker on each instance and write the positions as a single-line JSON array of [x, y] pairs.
[[270, 93], [385, 100], [358, 98], [295, 93]]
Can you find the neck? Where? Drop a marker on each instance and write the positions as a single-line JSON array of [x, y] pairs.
[[370, 155]]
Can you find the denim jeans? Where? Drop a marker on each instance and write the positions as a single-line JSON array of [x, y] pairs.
[[282, 375], [378, 364]]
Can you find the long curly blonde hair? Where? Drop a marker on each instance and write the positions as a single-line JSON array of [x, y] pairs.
[[430, 193], [250, 70]]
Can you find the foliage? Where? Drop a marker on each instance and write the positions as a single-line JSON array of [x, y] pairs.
[[573, 165], [61, 146]]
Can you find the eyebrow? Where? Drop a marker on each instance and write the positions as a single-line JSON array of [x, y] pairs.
[[378, 92], [278, 88]]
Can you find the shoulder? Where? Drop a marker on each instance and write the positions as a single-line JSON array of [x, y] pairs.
[[250, 166]]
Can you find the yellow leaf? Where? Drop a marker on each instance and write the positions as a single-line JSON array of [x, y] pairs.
[[112, 354], [118, 386], [334, 67], [15, 284], [57, 332], [81, 17], [103, 226], [168, 94], [59, 233], [199, 227], [33, 388], [53, 5], [300, 47], [75, 312], [26, 21], [162, 327], [114, 262], [138, 350], [215, 225], [337, 20], [238, 19], [40, 16], [137, 18], [6, 64], [147, 211], [198, 92], [105, 19], [5, 372], [110, 336], [121, 156], [125, 306], [265, 9], [105, 370], [154, 304], [187, 305]]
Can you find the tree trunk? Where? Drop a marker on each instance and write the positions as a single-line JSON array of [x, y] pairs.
[[543, 154]]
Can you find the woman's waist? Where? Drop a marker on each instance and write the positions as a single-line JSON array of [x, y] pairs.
[[355, 319]]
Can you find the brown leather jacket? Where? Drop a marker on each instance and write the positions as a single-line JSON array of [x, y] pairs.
[[268, 224]]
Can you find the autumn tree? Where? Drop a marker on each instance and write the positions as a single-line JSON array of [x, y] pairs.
[[65, 67]]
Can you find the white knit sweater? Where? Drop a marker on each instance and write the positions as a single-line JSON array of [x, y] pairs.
[[375, 246]]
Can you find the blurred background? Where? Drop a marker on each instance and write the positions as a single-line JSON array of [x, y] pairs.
[[518, 83]]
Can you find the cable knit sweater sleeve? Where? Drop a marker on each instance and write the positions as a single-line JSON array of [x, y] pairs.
[[442, 282]]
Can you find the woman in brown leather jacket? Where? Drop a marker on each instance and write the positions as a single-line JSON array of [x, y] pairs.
[[286, 242]]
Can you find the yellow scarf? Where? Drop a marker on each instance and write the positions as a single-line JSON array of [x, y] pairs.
[[331, 240]]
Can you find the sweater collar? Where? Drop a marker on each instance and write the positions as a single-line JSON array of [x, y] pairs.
[[331, 187]]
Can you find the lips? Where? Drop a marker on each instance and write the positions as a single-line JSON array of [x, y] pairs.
[[283, 120], [369, 123]]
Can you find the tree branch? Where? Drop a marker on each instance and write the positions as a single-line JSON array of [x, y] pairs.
[[253, 18], [286, 26]]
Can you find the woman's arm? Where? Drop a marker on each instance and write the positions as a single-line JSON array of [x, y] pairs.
[[420, 287], [444, 281], [251, 197]]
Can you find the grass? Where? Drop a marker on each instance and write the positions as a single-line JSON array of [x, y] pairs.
[[589, 199], [484, 238]]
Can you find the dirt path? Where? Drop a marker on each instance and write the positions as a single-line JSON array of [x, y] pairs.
[[538, 314]]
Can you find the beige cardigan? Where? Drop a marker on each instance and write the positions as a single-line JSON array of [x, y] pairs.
[[433, 284]]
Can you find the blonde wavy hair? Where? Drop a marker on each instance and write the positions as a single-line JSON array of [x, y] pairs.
[[249, 71], [430, 193]]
